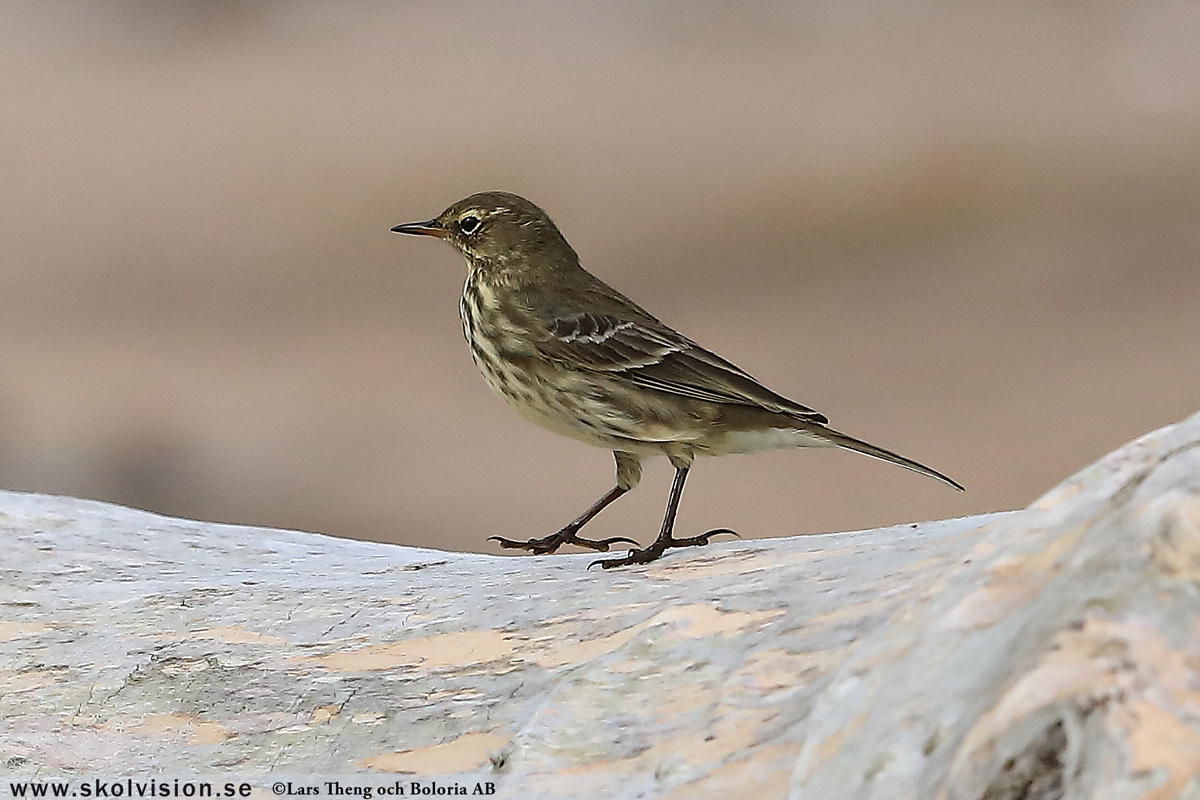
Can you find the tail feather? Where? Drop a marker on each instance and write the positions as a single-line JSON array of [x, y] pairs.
[[859, 446]]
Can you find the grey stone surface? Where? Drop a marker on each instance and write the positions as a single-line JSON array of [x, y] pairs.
[[1049, 652]]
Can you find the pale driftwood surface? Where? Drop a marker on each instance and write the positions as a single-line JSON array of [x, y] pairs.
[[1051, 652]]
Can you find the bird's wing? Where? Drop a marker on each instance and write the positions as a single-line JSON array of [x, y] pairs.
[[651, 355]]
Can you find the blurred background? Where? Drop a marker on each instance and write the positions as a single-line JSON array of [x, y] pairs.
[[966, 232]]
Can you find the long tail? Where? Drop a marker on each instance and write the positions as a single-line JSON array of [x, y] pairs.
[[858, 445]]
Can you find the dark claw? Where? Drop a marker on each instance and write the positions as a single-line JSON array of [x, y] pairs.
[[702, 539], [535, 546], [730, 531], [510, 543], [624, 561], [604, 544]]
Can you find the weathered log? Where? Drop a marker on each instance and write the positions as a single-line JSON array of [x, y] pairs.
[[1050, 652]]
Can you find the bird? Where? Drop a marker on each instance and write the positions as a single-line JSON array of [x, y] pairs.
[[572, 354]]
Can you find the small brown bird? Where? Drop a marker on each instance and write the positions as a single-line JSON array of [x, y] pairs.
[[577, 357]]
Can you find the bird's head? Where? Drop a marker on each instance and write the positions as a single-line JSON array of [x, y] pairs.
[[498, 228]]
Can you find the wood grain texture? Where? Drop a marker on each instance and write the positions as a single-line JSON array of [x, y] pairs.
[[1049, 652]]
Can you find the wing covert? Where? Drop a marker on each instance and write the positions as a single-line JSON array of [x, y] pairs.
[[651, 355]]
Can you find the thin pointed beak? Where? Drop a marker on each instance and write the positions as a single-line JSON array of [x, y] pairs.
[[428, 228]]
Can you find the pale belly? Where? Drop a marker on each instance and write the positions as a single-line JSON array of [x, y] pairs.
[[562, 406]]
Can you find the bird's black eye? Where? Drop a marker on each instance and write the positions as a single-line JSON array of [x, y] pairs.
[[468, 224]]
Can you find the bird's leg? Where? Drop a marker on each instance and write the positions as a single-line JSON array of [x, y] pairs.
[[567, 535], [665, 538], [629, 472]]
